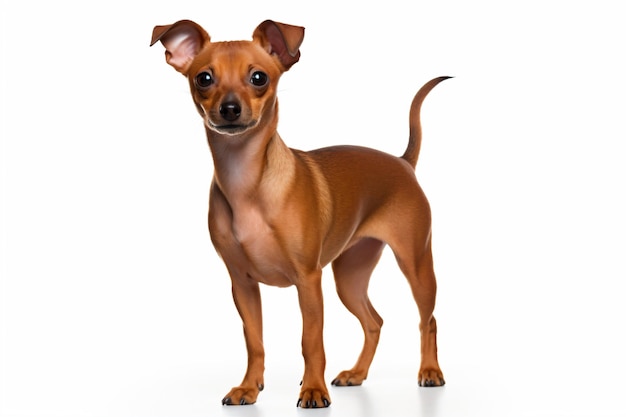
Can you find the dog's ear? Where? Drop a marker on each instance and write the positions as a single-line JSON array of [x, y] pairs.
[[182, 41], [281, 40]]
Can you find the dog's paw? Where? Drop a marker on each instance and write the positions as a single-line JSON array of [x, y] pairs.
[[313, 398], [242, 395], [430, 378], [349, 379]]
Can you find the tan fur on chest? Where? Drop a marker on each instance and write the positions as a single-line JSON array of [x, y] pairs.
[[261, 248]]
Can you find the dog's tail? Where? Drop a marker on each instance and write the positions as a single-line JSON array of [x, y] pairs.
[[415, 126]]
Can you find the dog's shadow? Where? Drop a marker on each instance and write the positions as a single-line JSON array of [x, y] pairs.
[[378, 400]]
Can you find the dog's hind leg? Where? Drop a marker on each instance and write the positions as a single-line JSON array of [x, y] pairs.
[[416, 263], [352, 271]]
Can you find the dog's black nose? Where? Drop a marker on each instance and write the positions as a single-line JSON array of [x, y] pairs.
[[230, 110]]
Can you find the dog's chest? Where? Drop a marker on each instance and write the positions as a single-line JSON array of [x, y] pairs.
[[260, 245], [250, 228]]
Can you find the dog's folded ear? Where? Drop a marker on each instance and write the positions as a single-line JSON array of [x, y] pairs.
[[281, 40], [182, 41]]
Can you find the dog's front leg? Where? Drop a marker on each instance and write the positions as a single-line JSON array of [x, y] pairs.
[[247, 298], [314, 393]]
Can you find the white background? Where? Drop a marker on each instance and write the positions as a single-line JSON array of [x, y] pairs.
[[115, 304]]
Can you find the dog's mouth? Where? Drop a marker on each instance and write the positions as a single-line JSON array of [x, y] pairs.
[[231, 128]]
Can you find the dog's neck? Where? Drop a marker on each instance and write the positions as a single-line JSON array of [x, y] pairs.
[[254, 166]]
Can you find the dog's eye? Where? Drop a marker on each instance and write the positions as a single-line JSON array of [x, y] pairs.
[[204, 80], [258, 78]]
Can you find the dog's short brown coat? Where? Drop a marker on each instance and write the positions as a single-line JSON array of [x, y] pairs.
[[278, 215]]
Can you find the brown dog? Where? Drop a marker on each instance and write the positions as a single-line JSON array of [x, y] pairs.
[[277, 216]]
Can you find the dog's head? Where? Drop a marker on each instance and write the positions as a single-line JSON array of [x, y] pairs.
[[233, 84]]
